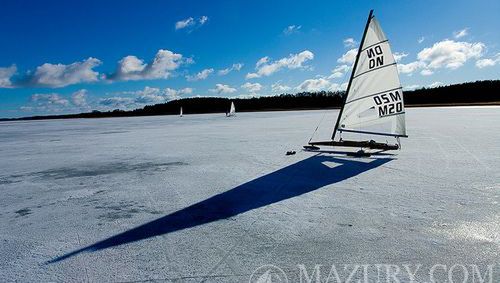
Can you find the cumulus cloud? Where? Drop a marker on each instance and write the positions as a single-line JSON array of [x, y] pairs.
[[222, 88], [450, 54], [6, 74], [426, 72], [411, 87], [60, 75], [461, 33], [399, 55], [291, 29], [350, 42], [140, 98], [314, 85], [79, 98], [161, 67], [339, 71], [234, 67], [54, 102], [436, 84], [51, 99], [176, 93], [447, 54], [201, 75], [184, 23], [320, 84], [293, 61], [278, 87], [410, 67], [118, 102], [488, 62], [349, 57], [253, 88]]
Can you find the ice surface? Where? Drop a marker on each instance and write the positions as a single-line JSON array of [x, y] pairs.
[[210, 198]]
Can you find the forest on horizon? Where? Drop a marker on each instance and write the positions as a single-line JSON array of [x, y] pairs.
[[471, 93]]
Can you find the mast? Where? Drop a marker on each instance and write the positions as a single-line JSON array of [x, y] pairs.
[[352, 74]]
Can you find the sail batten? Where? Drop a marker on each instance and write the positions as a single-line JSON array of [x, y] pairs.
[[374, 98]]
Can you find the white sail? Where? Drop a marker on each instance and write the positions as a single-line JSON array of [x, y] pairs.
[[374, 102], [181, 112], [232, 110]]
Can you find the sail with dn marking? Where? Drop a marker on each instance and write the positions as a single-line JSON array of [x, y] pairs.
[[374, 102]]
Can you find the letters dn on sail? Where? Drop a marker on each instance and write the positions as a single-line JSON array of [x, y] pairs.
[[376, 57]]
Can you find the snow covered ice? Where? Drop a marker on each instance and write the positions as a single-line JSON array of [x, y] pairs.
[[205, 197]]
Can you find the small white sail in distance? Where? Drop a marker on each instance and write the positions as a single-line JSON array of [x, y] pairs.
[[374, 99], [232, 110], [181, 112]]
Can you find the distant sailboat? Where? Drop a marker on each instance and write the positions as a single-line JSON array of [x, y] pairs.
[[232, 110], [181, 112], [373, 103]]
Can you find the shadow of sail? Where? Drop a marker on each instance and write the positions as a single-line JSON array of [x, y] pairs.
[[294, 180]]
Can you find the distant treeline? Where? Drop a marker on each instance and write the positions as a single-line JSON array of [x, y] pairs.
[[473, 93]]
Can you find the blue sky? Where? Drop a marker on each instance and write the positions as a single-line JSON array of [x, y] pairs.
[[71, 56]]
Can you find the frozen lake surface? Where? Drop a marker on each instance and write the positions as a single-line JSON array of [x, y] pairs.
[[209, 198]]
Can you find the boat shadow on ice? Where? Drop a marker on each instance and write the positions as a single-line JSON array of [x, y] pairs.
[[294, 180]]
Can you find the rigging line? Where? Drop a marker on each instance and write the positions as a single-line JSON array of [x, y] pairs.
[[317, 127]]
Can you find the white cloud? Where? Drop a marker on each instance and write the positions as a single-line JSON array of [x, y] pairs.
[[349, 57], [203, 20], [450, 54], [49, 99], [447, 54], [314, 85], [50, 102], [184, 23], [146, 96], [291, 29], [410, 67], [436, 84], [174, 94], [222, 88], [150, 95], [201, 75], [60, 75], [350, 42], [278, 87], [118, 102], [411, 87], [54, 102], [6, 74], [161, 67], [426, 72], [399, 55], [234, 67], [460, 33], [261, 61], [253, 88], [488, 62], [293, 61], [421, 39], [339, 71], [79, 98]]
